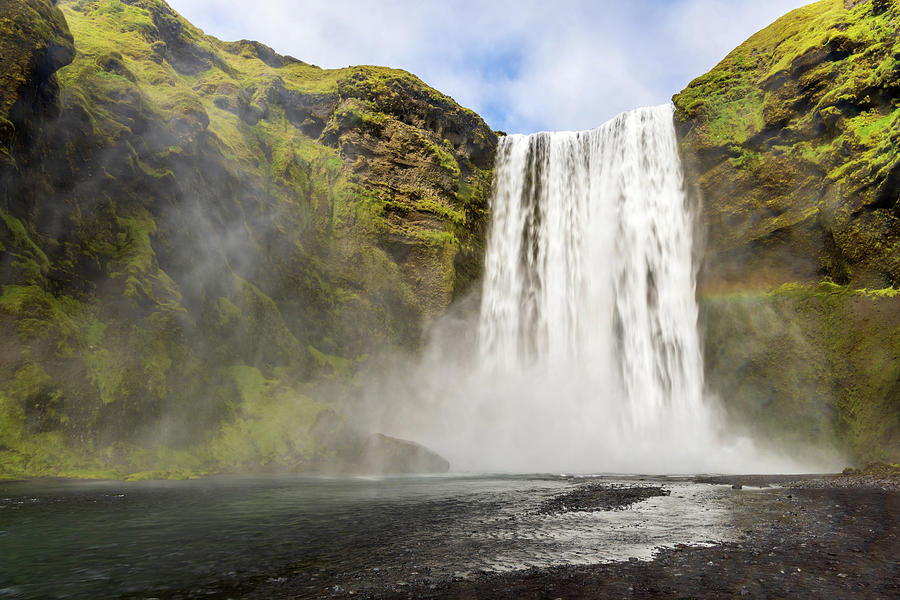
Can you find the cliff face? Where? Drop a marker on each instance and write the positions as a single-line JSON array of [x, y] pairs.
[[202, 241], [791, 147], [195, 235], [793, 140], [34, 45]]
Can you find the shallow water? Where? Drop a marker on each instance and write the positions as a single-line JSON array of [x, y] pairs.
[[64, 539]]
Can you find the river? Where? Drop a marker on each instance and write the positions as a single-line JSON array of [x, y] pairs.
[[216, 537]]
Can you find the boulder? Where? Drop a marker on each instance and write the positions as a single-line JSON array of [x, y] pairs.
[[382, 454]]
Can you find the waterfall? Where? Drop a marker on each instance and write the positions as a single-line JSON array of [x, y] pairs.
[[585, 355], [589, 268]]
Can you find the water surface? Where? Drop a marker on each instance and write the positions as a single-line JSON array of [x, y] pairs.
[[63, 539]]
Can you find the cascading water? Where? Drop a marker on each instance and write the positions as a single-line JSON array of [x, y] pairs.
[[587, 355], [590, 263]]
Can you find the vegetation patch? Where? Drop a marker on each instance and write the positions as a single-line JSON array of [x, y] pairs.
[[809, 364], [198, 255]]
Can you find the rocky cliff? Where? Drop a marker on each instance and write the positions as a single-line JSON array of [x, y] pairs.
[[791, 147], [200, 241]]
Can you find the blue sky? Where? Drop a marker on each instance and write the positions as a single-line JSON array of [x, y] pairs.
[[523, 65]]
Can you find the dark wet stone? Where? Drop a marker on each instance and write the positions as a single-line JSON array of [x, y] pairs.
[[783, 560], [600, 496], [385, 454]]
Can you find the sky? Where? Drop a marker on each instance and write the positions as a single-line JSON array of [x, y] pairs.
[[523, 65]]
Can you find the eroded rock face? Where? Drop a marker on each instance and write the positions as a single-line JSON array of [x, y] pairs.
[[790, 150], [34, 43], [791, 144], [202, 241], [428, 159]]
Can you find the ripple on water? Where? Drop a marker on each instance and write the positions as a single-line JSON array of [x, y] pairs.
[[115, 539], [691, 515]]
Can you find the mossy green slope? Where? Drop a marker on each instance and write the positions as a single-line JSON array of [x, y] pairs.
[[792, 141], [201, 241], [809, 364], [790, 145]]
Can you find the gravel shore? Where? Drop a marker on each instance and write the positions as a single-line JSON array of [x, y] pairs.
[[853, 480], [817, 537], [811, 536]]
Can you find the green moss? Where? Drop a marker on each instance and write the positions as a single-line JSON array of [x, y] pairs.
[[273, 426], [31, 33], [883, 293], [747, 160], [28, 256], [730, 98], [444, 157], [38, 312], [435, 238], [210, 258], [133, 251], [790, 141], [387, 89], [357, 114], [810, 364]]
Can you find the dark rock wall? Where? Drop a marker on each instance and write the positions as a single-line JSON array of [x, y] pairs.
[[790, 146]]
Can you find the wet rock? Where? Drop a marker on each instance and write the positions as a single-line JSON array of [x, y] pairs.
[[594, 497], [785, 201], [761, 481], [382, 454], [35, 42]]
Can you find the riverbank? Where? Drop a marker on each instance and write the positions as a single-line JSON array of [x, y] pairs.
[[807, 536], [485, 536], [811, 542]]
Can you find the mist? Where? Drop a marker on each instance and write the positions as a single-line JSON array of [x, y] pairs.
[[581, 352], [220, 272], [326, 332], [562, 421]]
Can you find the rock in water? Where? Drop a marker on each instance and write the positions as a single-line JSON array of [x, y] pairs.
[[382, 454]]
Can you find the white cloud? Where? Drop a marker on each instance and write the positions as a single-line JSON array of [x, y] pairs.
[[525, 65]]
